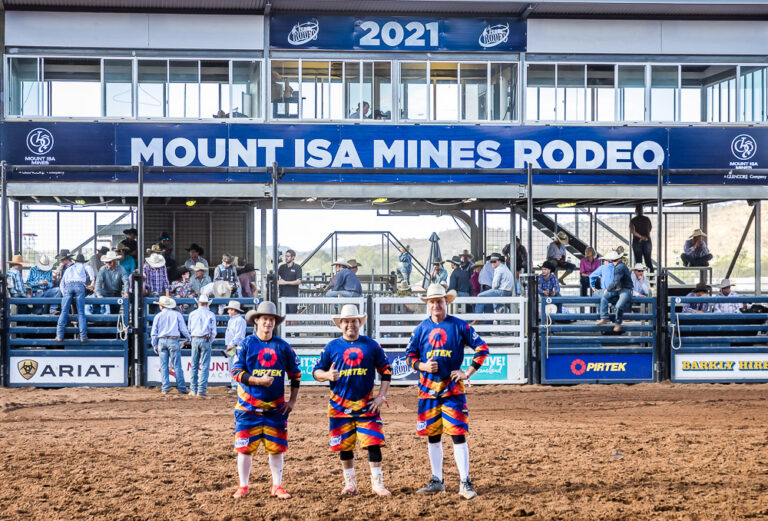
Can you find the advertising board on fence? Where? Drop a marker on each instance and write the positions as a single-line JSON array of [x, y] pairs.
[[591, 367], [721, 366], [218, 370], [498, 368], [65, 371]]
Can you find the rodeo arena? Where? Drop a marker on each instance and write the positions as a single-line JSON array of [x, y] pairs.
[[508, 254]]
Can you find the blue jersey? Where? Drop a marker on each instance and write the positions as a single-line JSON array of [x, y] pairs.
[[446, 341], [357, 362], [273, 358]]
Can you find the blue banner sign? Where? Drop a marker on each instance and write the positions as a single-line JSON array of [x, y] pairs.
[[399, 33], [592, 367], [473, 152]]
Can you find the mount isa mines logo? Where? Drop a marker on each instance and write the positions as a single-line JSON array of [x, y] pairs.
[[579, 367], [304, 32], [39, 141], [743, 148]]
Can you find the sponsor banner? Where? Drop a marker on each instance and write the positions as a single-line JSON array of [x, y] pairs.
[[218, 370], [498, 368], [397, 33], [633, 366], [721, 366], [474, 152], [306, 364], [67, 370]]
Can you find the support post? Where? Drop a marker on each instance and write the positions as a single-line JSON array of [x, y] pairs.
[[275, 250], [662, 351], [758, 250], [263, 270], [513, 247], [532, 368], [3, 264], [138, 284], [17, 242]]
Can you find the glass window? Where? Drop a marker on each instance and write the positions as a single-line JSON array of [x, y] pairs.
[[663, 92], [315, 89], [214, 89], [692, 85], [118, 88], [285, 89], [503, 91], [444, 91], [631, 83], [474, 91], [753, 82], [152, 78], [570, 93], [540, 93], [353, 109], [337, 90], [24, 87], [183, 89], [413, 91], [721, 93], [72, 87], [601, 93], [377, 87], [246, 89]]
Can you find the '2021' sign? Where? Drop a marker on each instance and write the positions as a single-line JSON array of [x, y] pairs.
[[414, 35]]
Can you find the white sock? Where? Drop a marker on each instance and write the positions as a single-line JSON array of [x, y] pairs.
[[244, 462], [376, 472], [276, 466], [349, 474], [436, 458], [461, 454]]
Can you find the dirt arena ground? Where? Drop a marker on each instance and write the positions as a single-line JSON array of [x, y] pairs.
[[694, 452]]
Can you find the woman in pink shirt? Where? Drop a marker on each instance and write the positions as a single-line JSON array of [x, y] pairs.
[[588, 264]]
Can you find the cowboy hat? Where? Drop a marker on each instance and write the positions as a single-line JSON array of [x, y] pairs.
[[497, 257], [478, 264], [701, 286], [265, 308], [438, 291], [103, 250], [156, 260], [197, 248], [465, 253], [612, 256], [80, 258], [349, 311], [697, 233], [725, 283], [121, 246], [340, 262], [17, 259], [156, 248], [164, 235], [203, 299], [44, 263], [455, 260], [199, 266], [109, 257], [353, 263], [550, 265], [131, 230], [235, 305], [64, 254], [639, 267], [221, 289], [167, 302], [403, 285], [438, 261], [181, 271], [248, 268], [562, 237]]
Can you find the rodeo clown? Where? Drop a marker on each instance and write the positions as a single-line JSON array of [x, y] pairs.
[[262, 362], [436, 350], [349, 363]]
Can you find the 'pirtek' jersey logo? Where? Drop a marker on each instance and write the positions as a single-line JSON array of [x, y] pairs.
[[437, 337], [353, 356], [27, 368], [267, 357]]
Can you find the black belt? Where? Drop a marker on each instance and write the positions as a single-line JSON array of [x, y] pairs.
[[171, 337]]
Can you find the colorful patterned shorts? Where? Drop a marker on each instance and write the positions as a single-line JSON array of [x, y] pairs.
[[344, 432], [252, 429], [447, 415]]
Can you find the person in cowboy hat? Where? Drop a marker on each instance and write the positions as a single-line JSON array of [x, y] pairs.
[[228, 272], [618, 292], [602, 277], [438, 275], [557, 253], [503, 283], [436, 351], [40, 281], [406, 264], [261, 366], [95, 261], [350, 364], [701, 290], [459, 279], [466, 260], [167, 329], [156, 276], [474, 279], [202, 330], [639, 281], [195, 256], [112, 280], [236, 331], [403, 289], [346, 284], [248, 280], [726, 291], [695, 251], [182, 287], [73, 282], [131, 242], [201, 277], [16, 288], [127, 262]]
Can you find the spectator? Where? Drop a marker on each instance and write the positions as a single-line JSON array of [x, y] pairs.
[[289, 279], [474, 278], [201, 277], [90, 285], [170, 259], [247, 280], [346, 284], [127, 262], [701, 290], [112, 280], [131, 244], [589, 263], [459, 280], [218, 289], [406, 264], [639, 281], [486, 275], [556, 252], [338, 265], [235, 335], [601, 278], [195, 256], [156, 276], [618, 292], [548, 283], [72, 287], [202, 330], [624, 257], [167, 329], [466, 260], [356, 113], [95, 260], [40, 281], [502, 284], [521, 254], [695, 251], [182, 287], [16, 288], [227, 272], [727, 307], [438, 275], [640, 227]]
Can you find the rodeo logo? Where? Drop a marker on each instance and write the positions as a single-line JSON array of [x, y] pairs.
[[401, 369], [27, 368], [494, 35], [40, 142], [743, 148], [304, 32]]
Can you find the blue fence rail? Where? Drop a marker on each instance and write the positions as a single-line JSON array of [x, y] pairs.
[[573, 349], [712, 345], [35, 358]]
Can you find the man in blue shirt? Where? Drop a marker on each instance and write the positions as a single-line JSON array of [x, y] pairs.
[[233, 337], [16, 288], [202, 329], [406, 265], [167, 329], [502, 284], [604, 275], [72, 287], [262, 364], [350, 364], [619, 292], [346, 284]]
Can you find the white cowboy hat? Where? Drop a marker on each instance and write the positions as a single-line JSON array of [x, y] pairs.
[[725, 283], [639, 267], [340, 262], [44, 263], [167, 302], [697, 233], [203, 299], [109, 257], [156, 260], [233, 304], [264, 308], [221, 289], [438, 291], [349, 311], [199, 266], [562, 237], [612, 256]]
